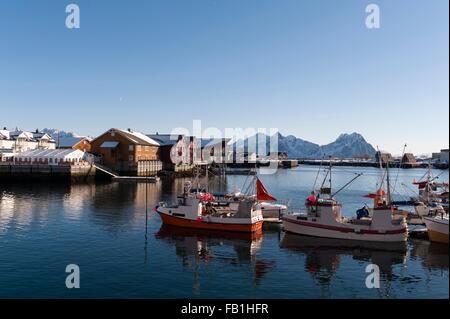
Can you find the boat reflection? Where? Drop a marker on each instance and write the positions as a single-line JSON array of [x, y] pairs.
[[198, 247], [324, 255], [200, 243], [434, 256]]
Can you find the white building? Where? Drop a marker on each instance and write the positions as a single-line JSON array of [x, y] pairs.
[[5, 141], [20, 141], [53, 157]]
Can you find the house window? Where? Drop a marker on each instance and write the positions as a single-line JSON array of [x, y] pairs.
[[147, 148], [138, 148], [113, 133], [154, 149], [131, 147], [131, 158]]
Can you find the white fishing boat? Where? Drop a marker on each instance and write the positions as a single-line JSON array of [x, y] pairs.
[[256, 191], [324, 219], [423, 209], [437, 227], [433, 195], [272, 210], [199, 209]]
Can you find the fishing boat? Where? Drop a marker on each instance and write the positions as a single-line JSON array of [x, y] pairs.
[[199, 209], [423, 209], [324, 219], [437, 227], [433, 195], [272, 210], [257, 192]]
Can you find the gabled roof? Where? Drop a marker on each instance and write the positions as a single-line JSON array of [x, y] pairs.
[[21, 134], [4, 134], [134, 137], [165, 139], [42, 135], [68, 142]]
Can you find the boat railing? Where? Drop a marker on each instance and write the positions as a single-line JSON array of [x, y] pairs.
[[297, 211], [168, 205]]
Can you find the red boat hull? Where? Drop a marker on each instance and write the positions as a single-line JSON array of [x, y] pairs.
[[182, 222]]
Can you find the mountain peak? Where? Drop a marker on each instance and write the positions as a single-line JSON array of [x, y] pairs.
[[345, 146], [351, 136]]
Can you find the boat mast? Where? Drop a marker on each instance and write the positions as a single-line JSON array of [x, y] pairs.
[[330, 179], [388, 184]]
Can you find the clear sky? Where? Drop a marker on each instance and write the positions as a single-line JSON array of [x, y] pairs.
[[308, 68]]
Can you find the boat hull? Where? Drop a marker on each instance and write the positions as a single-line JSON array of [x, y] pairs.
[[325, 231], [272, 213], [437, 231], [234, 227]]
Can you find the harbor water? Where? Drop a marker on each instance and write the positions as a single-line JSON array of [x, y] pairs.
[[111, 232]]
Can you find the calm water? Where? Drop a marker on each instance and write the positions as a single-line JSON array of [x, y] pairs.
[[102, 228]]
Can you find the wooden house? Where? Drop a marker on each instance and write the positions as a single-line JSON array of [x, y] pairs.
[[121, 150]]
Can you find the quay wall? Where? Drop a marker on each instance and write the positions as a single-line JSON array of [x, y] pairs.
[[38, 171]]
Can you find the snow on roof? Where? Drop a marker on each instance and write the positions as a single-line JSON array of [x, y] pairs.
[[145, 138], [138, 138], [25, 134], [42, 135], [57, 153], [4, 134], [67, 142], [165, 139]]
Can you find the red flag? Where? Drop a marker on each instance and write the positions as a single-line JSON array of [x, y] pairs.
[[262, 193], [421, 185]]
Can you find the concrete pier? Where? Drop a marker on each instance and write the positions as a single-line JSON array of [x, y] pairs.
[[27, 171]]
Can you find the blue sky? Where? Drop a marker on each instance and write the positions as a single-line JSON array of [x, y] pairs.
[[308, 68]]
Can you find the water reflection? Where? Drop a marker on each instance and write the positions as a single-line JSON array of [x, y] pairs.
[[434, 256], [22, 204], [324, 255], [202, 247]]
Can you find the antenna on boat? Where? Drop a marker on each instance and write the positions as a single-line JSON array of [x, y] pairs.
[[318, 171], [398, 168], [330, 178], [388, 184]]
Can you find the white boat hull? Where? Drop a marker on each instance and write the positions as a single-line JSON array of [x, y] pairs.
[[437, 229], [344, 233]]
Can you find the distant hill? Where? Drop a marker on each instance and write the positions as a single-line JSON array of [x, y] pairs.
[[62, 134], [345, 146]]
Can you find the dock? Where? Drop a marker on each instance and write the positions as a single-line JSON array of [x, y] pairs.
[[152, 179], [119, 178]]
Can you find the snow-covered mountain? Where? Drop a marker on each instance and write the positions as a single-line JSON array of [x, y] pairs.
[[348, 145], [345, 146], [62, 134]]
